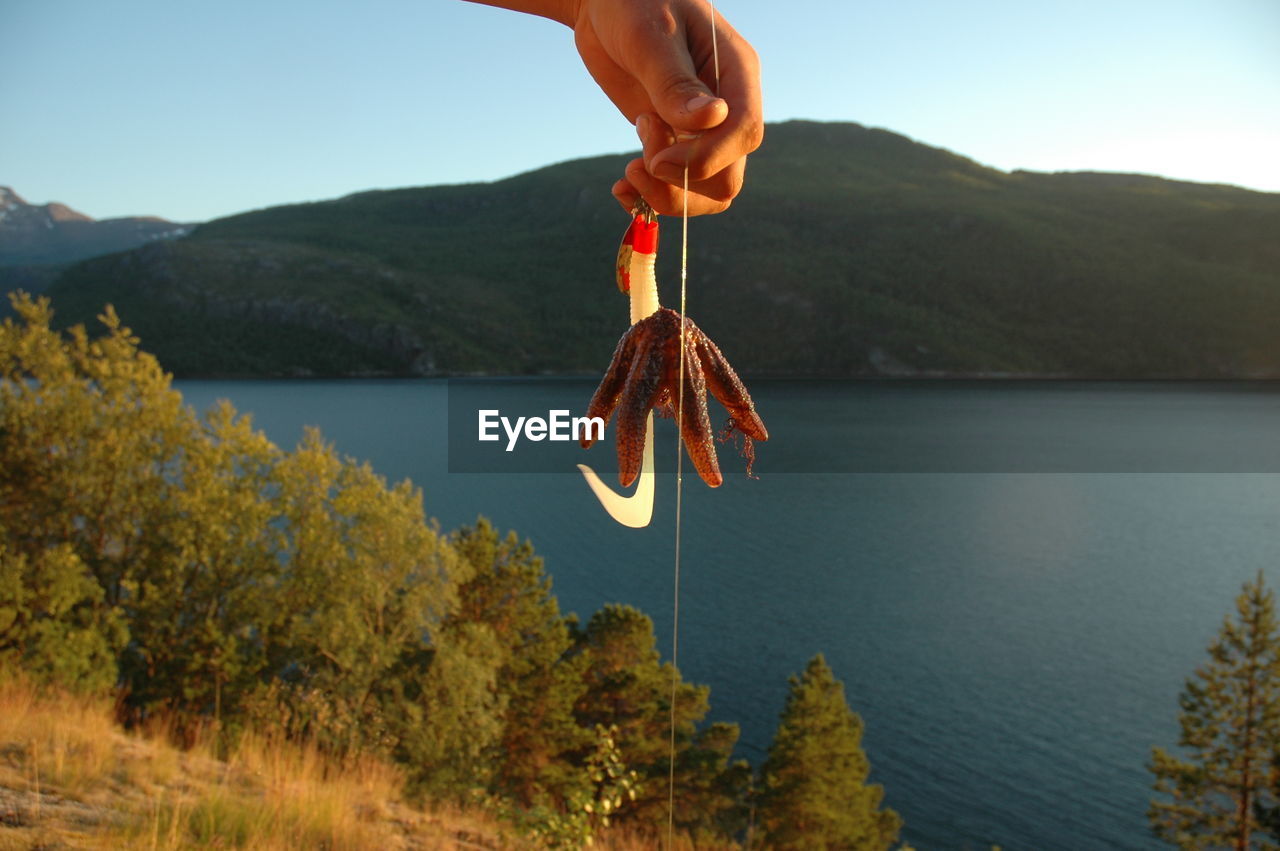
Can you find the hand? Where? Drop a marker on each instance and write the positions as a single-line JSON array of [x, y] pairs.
[[653, 58]]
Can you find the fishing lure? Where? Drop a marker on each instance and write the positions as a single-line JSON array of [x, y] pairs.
[[646, 371]]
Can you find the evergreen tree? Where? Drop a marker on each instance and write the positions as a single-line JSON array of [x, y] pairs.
[[1230, 722], [538, 679], [813, 788], [1268, 809], [629, 689]]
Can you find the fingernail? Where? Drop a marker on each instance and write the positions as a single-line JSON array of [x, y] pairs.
[[698, 102], [642, 127]]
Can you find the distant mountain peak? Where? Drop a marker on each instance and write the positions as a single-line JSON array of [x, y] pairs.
[[9, 198], [63, 213], [32, 234]]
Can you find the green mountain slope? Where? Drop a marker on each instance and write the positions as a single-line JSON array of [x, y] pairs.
[[851, 252]]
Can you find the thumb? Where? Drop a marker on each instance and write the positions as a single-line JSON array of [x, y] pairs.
[[693, 109], [677, 95]]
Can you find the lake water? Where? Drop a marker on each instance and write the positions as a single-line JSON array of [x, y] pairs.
[[1012, 580]]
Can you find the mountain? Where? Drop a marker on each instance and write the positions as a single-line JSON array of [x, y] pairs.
[[55, 233], [851, 251]]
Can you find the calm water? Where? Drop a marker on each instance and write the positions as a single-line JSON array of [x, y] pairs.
[[1011, 580]]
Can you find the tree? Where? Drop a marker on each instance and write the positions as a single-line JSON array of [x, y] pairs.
[[814, 792], [216, 575], [1269, 811], [1230, 729], [213, 576], [369, 659], [627, 688], [88, 432], [115, 493], [51, 624], [539, 680], [202, 585]]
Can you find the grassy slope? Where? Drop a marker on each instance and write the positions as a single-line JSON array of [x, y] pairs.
[[852, 251], [70, 778]]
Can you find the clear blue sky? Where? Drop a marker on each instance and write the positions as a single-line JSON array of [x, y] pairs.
[[196, 110]]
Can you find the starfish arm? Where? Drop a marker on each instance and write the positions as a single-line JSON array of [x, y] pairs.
[[728, 388], [615, 377], [695, 426], [643, 386]]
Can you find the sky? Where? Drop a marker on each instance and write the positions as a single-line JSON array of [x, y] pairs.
[[192, 111]]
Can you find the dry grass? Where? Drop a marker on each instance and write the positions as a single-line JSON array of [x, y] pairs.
[[272, 795], [66, 743], [69, 777]]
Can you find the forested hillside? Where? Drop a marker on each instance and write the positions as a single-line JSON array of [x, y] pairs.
[[852, 251]]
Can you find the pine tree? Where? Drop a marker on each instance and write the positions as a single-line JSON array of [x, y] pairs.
[[629, 688], [538, 679], [1230, 723], [814, 792], [1268, 809]]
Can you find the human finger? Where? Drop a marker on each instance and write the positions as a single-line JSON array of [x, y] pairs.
[[656, 136], [673, 68], [738, 135], [666, 199]]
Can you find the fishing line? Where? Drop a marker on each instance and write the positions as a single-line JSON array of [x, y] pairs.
[[675, 605]]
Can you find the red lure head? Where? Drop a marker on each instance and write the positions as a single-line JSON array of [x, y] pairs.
[[641, 237]]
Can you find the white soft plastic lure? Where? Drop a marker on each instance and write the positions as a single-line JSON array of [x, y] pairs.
[[636, 510], [636, 267]]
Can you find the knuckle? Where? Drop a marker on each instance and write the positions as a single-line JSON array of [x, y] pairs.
[[665, 23], [677, 85], [637, 174], [723, 185], [753, 133], [723, 195], [709, 206]]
